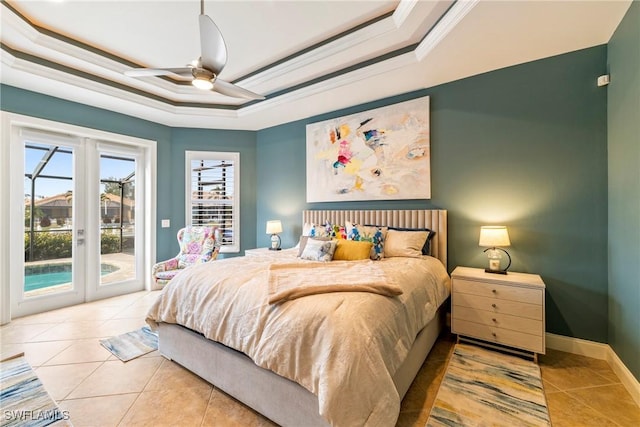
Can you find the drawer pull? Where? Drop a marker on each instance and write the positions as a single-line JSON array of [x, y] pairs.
[[494, 291], [494, 306], [494, 320], [494, 334]]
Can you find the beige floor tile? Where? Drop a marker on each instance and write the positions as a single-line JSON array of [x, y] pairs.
[[610, 399], [569, 378], [81, 351], [550, 388], [20, 333], [60, 380], [566, 411], [113, 327], [73, 330], [36, 353], [561, 359], [116, 377], [119, 301], [92, 312], [48, 317], [223, 410], [135, 311], [169, 407], [172, 376], [102, 411]]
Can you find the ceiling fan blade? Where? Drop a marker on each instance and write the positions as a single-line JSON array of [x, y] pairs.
[[144, 72], [229, 89], [212, 45]]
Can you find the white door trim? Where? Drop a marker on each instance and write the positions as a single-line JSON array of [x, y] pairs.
[[11, 122]]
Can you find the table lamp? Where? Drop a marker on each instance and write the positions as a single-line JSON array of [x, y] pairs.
[[274, 227], [491, 237]]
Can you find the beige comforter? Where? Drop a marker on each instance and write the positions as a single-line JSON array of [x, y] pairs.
[[342, 346]]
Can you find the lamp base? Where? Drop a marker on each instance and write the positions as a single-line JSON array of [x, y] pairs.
[[274, 249], [488, 270]]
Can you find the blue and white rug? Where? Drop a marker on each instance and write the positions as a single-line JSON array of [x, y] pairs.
[[132, 344], [24, 400], [483, 387]]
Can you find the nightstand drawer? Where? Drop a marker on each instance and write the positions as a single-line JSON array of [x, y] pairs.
[[495, 305], [503, 321], [529, 342], [503, 292]]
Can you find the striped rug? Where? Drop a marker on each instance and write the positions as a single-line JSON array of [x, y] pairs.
[[483, 387], [23, 399], [132, 344]]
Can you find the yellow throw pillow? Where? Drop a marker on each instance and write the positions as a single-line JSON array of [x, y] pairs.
[[352, 250]]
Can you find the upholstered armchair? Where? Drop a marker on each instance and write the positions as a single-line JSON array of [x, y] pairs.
[[197, 245]]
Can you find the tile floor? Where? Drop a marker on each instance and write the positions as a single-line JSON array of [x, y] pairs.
[[99, 390]]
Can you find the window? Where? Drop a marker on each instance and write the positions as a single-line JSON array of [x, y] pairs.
[[213, 194]]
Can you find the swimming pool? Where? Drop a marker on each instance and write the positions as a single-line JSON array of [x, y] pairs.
[[46, 275]]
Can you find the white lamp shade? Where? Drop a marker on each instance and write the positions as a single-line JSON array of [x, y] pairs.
[[494, 235], [274, 227]]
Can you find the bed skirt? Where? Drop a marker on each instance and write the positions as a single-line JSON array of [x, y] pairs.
[[277, 398]]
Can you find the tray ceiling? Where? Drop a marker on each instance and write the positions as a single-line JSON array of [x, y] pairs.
[[306, 57]]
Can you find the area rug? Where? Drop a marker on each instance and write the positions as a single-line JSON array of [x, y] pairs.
[[132, 344], [487, 388], [23, 399]]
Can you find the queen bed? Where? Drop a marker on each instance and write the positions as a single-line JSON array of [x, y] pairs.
[[334, 356]]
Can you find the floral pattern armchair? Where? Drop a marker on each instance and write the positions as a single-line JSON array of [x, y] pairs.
[[197, 245]]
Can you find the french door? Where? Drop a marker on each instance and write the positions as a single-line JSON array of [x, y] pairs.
[[82, 225]]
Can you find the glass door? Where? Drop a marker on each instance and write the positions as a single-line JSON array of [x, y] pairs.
[[53, 228], [120, 222]]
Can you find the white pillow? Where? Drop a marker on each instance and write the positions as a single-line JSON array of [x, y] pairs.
[[404, 243], [319, 250]]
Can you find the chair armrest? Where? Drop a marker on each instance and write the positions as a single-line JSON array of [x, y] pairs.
[[170, 264]]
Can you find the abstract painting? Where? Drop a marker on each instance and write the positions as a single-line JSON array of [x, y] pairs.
[[380, 154]]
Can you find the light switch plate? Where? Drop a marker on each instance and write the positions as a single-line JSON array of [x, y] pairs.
[[166, 223]]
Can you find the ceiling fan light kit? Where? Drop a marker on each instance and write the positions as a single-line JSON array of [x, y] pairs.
[[202, 79], [206, 69]]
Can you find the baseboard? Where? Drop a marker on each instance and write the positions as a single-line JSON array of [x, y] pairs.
[[599, 351]]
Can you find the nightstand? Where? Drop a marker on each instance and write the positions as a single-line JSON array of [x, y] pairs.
[[501, 309]]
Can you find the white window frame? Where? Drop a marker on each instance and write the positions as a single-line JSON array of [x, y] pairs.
[[234, 246]]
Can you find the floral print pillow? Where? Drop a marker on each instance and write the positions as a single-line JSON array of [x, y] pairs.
[[368, 233]]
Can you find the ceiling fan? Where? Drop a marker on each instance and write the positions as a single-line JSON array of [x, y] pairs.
[[204, 70]]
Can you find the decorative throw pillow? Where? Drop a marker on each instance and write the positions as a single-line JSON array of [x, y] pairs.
[[404, 243], [351, 250], [319, 250], [317, 230], [426, 248], [368, 233], [303, 242]]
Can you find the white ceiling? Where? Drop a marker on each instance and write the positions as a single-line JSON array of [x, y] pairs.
[[306, 57]]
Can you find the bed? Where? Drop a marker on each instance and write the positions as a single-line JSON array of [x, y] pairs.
[[264, 354]]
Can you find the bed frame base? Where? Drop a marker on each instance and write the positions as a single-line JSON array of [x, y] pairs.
[[277, 398]]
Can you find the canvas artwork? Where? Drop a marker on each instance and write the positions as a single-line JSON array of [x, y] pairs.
[[380, 154]]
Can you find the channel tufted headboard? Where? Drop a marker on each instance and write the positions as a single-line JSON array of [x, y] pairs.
[[435, 219]]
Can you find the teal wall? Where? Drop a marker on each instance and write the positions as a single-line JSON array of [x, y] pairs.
[[624, 190], [524, 146]]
